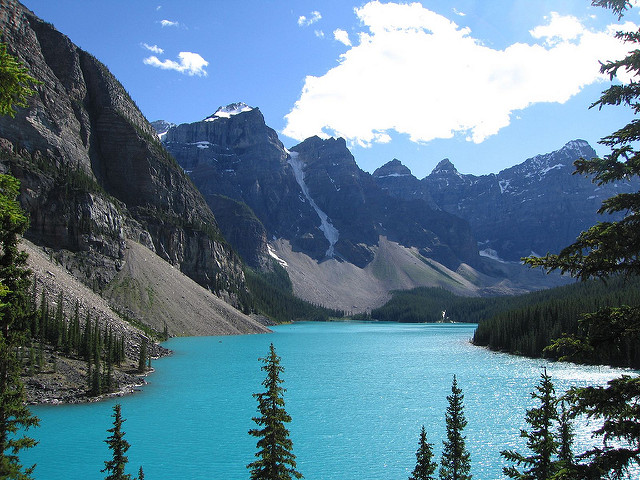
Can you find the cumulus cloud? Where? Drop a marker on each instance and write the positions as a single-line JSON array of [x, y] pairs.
[[168, 23], [342, 36], [418, 73], [188, 63], [153, 48], [305, 21]]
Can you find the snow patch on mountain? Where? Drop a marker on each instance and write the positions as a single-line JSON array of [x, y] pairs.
[[229, 111], [330, 232], [273, 255], [201, 145]]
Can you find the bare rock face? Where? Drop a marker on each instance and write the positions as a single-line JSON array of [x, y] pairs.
[[537, 206], [93, 171], [362, 211], [314, 196]]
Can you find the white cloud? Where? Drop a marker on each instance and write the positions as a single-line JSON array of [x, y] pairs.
[[189, 63], [459, 13], [153, 48], [417, 73], [559, 29], [304, 21], [319, 33], [342, 36], [168, 23]]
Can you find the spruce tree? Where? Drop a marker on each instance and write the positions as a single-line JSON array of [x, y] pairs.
[[609, 249], [425, 467], [275, 461], [541, 439], [142, 358], [118, 446], [15, 325], [456, 460], [15, 83]]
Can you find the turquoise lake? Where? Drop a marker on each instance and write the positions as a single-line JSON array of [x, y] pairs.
[[358, 394]]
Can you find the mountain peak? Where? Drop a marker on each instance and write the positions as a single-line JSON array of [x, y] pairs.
[[394, 168], [228, 111], [445, 167]]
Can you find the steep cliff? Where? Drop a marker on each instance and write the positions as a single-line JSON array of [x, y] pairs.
[[314, 196], [93, 171]]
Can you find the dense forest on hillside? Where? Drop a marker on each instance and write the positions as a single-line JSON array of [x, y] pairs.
[[522, 324], [531, 328], [272, 295]]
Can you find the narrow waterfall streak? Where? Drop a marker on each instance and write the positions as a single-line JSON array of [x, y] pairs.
[[330, 232]]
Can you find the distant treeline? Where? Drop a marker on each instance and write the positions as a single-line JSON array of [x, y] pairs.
[[529, 329], [521, 324], [272, 295]]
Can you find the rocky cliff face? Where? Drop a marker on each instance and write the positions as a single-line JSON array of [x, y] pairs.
[[538, 206], [93, 171], [315, 196]]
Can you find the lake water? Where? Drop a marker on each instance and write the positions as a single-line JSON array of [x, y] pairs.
[[358, 394]]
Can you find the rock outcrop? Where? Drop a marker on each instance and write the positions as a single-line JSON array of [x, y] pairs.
[[315, 196], [93, 171], [537, 206]]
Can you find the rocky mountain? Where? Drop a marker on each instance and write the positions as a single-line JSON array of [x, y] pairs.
[[96, 181], [326, 220], [537, 206], [315, 195]]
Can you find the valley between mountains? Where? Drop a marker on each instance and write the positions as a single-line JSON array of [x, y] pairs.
[[158, 228]]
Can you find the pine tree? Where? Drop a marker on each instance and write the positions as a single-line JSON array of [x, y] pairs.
[[142, 359], [15, 324], [611, 249], [15, 83], [456, 460], [119, 446], [425, 467], [275, 461], [541, 440]]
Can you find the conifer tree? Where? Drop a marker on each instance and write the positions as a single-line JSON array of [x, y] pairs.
[[15, 83], [565, 437], [611, 249], [15, 324], [118, 446], [425, 467], [456, 460], [541, 440], [142, 359], [275, 461]]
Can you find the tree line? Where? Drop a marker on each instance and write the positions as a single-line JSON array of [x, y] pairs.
[[271, 293], [551, 327]]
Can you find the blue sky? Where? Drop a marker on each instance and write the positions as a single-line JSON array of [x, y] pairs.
[[486, 84]]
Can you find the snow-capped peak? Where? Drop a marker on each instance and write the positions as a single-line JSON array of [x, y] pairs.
[[228, 111]]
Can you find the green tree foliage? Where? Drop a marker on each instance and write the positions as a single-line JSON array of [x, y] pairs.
[[456, 460], [15, 417], [608, 249], [425, 467], [272, 295], [616, 408], [541, 439], [557, 324], [15, 83], [142, 358], [118, 446], [275, 460]]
